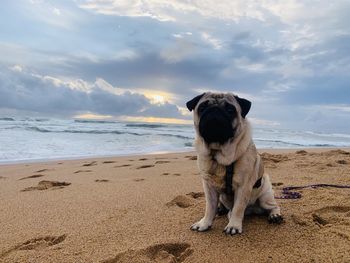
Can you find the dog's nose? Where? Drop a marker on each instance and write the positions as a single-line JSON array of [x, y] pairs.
[[214, 126]]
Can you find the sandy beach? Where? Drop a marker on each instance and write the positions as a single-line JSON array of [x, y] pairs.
[[140, 209]]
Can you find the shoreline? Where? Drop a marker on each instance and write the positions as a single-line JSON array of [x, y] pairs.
[[54, 159], [100, 157]]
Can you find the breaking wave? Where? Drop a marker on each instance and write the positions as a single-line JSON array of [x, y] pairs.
[[44, 130], [93, 121], [142, 125], [7, 119]]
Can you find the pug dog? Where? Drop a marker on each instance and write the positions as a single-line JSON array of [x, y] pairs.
[[231, 169]]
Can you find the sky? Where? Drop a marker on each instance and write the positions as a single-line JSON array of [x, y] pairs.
[[142, 60]]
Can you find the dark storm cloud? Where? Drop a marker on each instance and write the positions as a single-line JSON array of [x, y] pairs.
[[147, 68], [26, 91], [150, 70]]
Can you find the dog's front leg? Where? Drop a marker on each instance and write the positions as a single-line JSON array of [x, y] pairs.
[[211, 198], [234, 226]]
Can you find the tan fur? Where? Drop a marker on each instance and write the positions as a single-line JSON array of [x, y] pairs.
[[212, 162]]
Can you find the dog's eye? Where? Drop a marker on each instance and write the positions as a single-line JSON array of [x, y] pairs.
[[230, 109], [202, 107]]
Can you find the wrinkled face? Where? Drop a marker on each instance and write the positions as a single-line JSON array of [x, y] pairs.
[[218, 116]]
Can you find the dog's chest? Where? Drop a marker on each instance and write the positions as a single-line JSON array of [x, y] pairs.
[[215, 174]]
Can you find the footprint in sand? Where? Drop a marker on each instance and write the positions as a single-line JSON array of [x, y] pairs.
[[192, 158], [32, 176], [332, 215], [109, 162], [43, 170], [3, 177], [83, 171], [101, 180], [160, 162], [90, 164], [336, 220], [145, 166], [185, 201], [300, 220], [181, 201], [36, 243], [139, 180], [123, 165], [167, 252], [196, 195], [337, 152], [43, 185], [301, 152], [342, 162], [143, 159], [176, 174]]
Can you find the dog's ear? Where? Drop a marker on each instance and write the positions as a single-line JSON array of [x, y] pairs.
[[245, 105], [192, 103]]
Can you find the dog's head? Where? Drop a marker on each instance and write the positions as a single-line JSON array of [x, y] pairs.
[[218, 116]]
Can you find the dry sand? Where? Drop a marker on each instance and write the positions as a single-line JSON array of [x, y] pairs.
[[140, 208]]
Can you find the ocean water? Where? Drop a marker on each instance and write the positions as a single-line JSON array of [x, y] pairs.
[[23, 139]]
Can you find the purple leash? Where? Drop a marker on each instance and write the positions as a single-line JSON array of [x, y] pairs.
[[288, 194]]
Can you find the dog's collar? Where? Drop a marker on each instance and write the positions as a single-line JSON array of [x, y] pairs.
[[230, 170]]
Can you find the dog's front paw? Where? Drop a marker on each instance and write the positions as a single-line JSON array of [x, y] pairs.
[[201, 226], [233, 229], [275, 219]]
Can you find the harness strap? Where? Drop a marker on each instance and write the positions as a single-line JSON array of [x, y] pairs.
[[229, 177]]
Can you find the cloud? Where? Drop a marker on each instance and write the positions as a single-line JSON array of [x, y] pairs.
[[56, 11], [180, 50], [160, 10], [169, 10], [27, 91], [150, 70], [165, 110], [17, 68], [215, 43]]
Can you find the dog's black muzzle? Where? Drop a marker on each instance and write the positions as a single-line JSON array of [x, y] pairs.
[[215, 125]]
